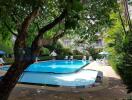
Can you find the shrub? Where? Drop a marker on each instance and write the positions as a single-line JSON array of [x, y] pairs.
[[45, 51], [120, 46], [8, 60], [43, 58], [94, 53], [66, 51], [79, 57], [76, 52]]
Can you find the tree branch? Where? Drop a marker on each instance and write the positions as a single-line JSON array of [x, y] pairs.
[[22, 34], [122, 21], [37, 25], [37, 41], [58, 35], [15, 20], [8, 27], [51, 25], [14, 17], [29, 19]]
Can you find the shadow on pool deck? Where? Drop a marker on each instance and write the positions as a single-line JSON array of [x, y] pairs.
[[115, 91]]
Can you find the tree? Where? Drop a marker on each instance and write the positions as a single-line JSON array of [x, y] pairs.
[[20, 16], [31, 19]]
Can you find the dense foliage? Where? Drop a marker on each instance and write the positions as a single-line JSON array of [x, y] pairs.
[[119, 45]]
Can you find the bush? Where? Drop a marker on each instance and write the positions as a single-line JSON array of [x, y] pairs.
[[57, 47], [120, 46], [43, 58], [79, 57], [65, 51], [76, 52], [94, 53], [8, 60], [45, 51]]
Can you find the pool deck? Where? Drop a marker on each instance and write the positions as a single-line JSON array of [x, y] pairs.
[[111, 89]]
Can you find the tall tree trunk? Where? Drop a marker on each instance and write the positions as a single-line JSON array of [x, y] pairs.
[[23, 55], [126, 14], [122, 23], [11, 78], [23, 58]]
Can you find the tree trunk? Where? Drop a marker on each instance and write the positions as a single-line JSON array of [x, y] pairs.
[[24, 56], [11, 77], [126, 14]]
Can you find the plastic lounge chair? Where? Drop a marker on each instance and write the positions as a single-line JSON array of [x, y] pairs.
[[71, 57], [37, 59], [1, 62], [90, 58], [84, 58], [66, 58]]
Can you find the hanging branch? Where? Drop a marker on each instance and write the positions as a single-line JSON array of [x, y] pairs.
[[122, 23], [58, 35], [35, 43], [9, 28], [22, 35], [52, 24], [29, 19], [37, 25], [16, 20]]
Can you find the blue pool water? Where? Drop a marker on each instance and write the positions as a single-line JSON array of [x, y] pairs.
[[57, 66]]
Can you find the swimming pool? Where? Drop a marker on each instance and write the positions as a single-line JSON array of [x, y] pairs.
[[58, 73], [57, 66]]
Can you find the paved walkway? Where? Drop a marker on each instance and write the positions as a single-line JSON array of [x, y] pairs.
[[100, 66], [114, 91]]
